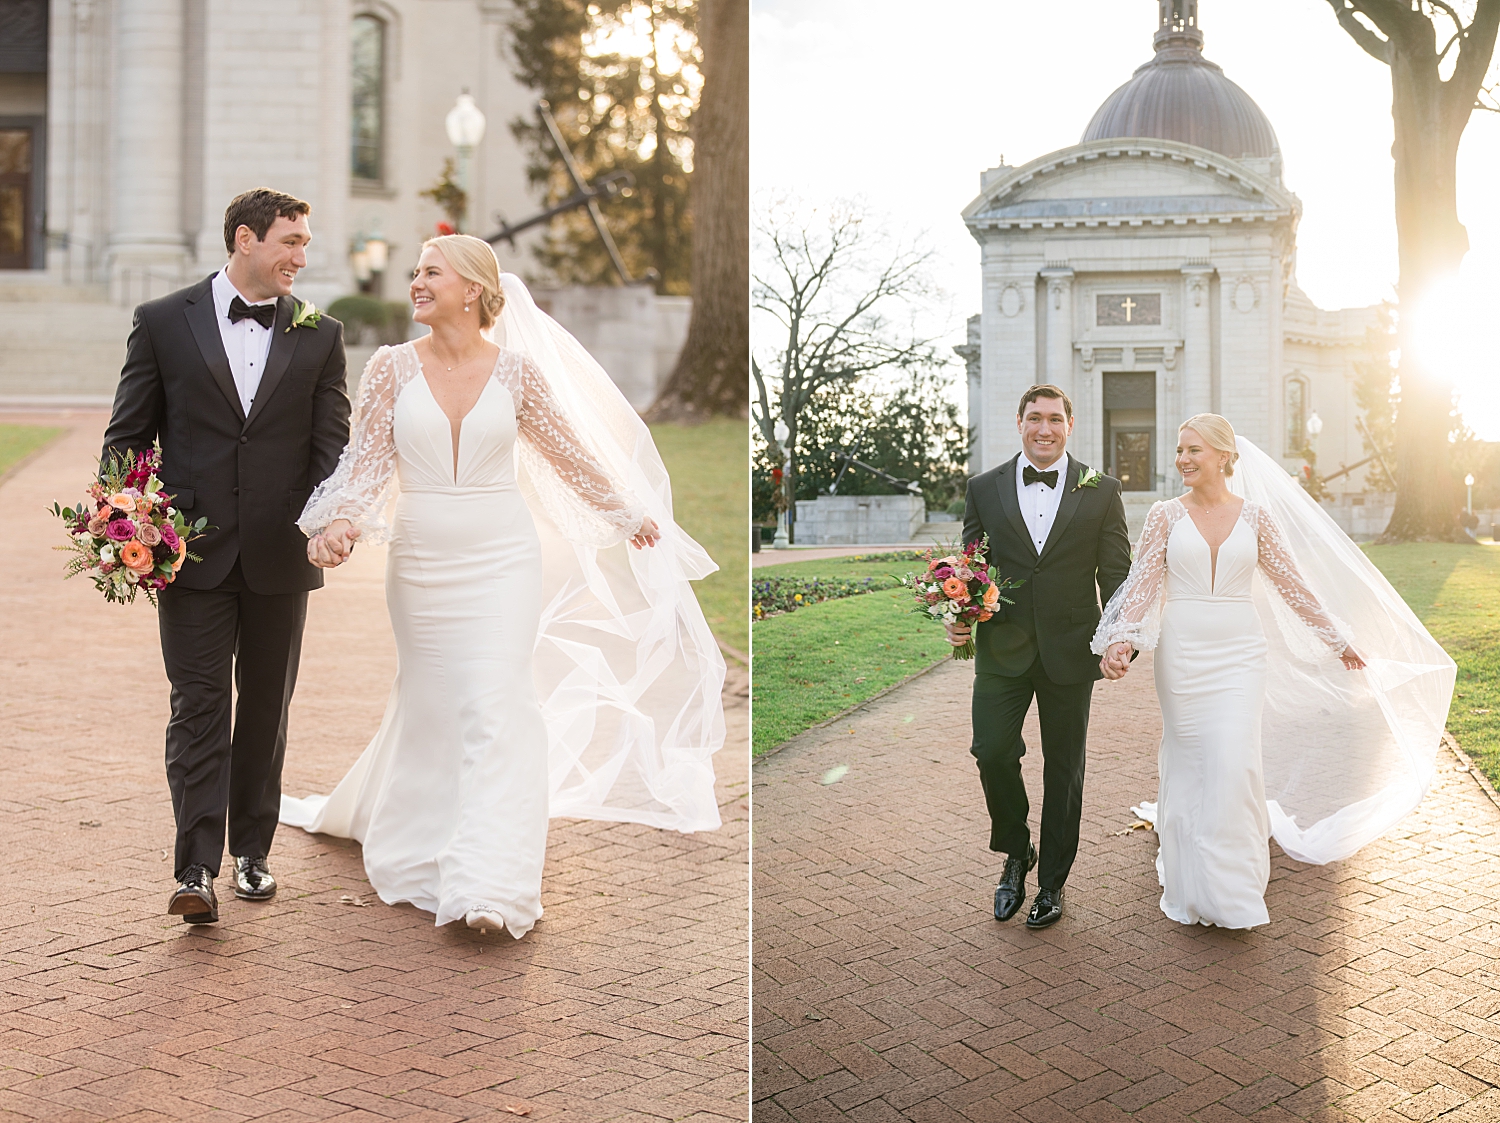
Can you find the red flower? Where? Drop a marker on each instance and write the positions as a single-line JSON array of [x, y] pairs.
[[446, 228], [776, 475]]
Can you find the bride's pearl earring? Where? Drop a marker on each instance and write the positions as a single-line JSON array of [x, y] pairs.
[[466, 307]]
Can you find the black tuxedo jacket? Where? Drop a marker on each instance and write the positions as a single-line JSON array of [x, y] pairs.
[[1086, 557], [249, 476]]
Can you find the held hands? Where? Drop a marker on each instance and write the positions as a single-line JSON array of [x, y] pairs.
[[333, 546], [1116, 661], [648, 535]]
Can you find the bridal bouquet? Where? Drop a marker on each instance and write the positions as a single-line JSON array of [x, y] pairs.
[[959, 588], [125, 534]]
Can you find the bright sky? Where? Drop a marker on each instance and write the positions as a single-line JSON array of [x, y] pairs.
[[904, 105]]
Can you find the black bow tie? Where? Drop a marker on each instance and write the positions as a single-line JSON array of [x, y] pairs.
[[262, 314], [1030, 475]]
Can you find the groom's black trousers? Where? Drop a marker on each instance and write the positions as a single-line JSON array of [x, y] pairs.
[[1000, 705], [224, 760]]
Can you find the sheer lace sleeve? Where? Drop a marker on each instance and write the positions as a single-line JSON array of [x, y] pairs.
[[1133, 614], [1280, 569], [574, 485], [357, 489]]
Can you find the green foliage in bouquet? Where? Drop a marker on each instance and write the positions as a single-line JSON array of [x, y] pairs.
[[125, 535]]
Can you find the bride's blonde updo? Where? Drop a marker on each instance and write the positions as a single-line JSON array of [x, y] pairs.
[[1217, 433], [474, 260]]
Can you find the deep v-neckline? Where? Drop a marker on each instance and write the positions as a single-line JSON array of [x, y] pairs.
[[1213, 551], [455, 428]]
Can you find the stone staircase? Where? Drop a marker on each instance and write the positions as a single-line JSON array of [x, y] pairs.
[[60, 345]]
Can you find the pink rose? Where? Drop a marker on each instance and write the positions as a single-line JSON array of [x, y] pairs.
[[943, 572], [98, 525], [148, 534], [120, 530], [168, 536], [963, 573]]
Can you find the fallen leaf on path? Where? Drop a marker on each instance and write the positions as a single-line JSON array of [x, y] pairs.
[[357, 902], [97, 823], [835, 774], [517, 1109], [1138, 825]]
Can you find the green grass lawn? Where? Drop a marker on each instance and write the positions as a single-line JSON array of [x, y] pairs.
[[20, 441], [814, 662], [711, 501], [1455, 592]]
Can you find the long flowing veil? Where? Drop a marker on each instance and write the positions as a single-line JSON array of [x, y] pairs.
[[1347, 754], [627, 672]]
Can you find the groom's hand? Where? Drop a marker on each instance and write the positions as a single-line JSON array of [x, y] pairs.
[[958, 634], [1116, 661], [332, 547]]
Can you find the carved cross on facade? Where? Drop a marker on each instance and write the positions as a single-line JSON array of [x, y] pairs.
[[1129, 306]]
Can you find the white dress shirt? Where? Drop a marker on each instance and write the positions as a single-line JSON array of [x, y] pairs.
[[1039, 502], [246, 343]]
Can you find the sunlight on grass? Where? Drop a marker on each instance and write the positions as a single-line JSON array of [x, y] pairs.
[[813, 663], [708, 464], [1455, 592]]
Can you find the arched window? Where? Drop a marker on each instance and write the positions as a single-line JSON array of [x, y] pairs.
[[1294, 409], [367, 82]]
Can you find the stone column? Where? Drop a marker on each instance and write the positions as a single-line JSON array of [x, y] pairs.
[[146, 241], [1197, 361], [1060, 326]]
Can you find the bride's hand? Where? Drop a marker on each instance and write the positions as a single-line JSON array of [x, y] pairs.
[[1352, 660], [333, 546], [648, 535], [1116, 660]]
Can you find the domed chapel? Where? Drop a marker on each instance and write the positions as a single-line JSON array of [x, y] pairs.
[[1149, 270]]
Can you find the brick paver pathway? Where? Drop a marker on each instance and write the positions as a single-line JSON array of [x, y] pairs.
[[628, 1001], [885, 990]]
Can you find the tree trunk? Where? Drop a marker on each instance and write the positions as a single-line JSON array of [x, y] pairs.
[[1431, 244], [712, 372]]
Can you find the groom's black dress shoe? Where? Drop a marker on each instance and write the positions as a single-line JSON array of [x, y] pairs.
[[194, 899], [253, 880], [1012, 888], [1046, 909]]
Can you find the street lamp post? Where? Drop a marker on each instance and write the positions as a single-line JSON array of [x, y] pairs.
[[465, 126], [1314, 425], [782, 540]]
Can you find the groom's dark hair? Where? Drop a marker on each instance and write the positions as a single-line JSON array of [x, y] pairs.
[[1045, 391], [259, 208]]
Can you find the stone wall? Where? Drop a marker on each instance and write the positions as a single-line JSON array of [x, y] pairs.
[[840, 520]]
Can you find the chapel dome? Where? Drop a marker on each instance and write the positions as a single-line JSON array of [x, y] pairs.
[[1180, 95]]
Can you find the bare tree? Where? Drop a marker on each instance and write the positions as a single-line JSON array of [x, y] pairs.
[[1430, 114], [709, 377], [825, 281]]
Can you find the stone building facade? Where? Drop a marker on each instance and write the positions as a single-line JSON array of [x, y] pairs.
[[136, 121], [1149, 271]]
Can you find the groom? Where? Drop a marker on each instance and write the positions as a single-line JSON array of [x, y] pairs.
[[245, 391], [1059, 527]]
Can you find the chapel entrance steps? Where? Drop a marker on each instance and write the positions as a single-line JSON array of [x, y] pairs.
[[64, 345]]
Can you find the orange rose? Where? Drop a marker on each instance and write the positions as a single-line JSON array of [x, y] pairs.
[[955, 588], [984, 614], [991, 595], [122, 501], [135, 556]]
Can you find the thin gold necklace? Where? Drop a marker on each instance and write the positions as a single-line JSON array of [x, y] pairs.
[[465, 363]]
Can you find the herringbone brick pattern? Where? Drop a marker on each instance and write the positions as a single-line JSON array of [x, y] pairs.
[[884, 989], [628, 1001]]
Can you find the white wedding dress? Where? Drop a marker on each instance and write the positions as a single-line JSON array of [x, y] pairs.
[[1210, 813], [452, 796], [1261, 724]]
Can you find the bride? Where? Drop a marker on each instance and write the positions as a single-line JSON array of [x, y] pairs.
[[1249, 675], [541, 668]]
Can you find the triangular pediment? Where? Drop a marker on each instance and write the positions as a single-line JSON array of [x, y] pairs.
[[1119, 180]]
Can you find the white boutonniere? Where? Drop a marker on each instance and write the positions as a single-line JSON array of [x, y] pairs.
[[304, 315], [1088, 477]]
